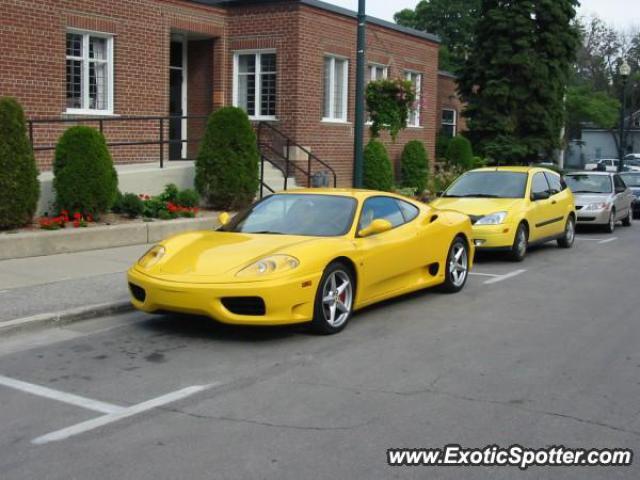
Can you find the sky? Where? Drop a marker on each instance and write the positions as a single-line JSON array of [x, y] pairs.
[[622, 14]]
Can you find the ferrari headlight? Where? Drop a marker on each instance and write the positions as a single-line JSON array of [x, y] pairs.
[[492, 219], [270, 264], [597, 206], [153, 256]]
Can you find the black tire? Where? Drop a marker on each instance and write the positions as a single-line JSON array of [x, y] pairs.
[[456, 269], [567, 239], [628, 220], [611, 224], [520, 243], [321, 323]]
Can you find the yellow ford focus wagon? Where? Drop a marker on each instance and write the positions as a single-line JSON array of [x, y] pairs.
[[513, 207]]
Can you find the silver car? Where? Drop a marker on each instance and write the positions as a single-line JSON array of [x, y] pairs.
[[601, 198]]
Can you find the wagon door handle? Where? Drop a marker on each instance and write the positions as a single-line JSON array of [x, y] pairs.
[[553, 202]]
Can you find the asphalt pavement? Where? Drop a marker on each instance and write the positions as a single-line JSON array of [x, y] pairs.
[[539, 353]]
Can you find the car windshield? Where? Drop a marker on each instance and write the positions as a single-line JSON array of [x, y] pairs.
[[632, 161], [631, 179], [585, 183], [489, 184], [296, 214]]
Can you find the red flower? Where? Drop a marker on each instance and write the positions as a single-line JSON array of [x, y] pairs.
[[76, 223], [89, 218], [147, 197], [77, 216]]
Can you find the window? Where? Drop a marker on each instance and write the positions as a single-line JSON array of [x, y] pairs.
[[376, 72], [539, 184], [619, 184], [89, 73], [555, 184], [336, 77], [409, 212], [448, 122], [414, 113], [255, 83], [385, 208]]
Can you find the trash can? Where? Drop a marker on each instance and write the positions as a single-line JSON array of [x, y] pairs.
[[320, 179]]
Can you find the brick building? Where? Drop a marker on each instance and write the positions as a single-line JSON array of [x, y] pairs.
[[287, 62]]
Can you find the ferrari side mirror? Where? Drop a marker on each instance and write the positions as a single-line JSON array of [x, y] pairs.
[[379, 225], [224, 218]]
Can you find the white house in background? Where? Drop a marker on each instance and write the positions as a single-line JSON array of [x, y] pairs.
[[597, 143]]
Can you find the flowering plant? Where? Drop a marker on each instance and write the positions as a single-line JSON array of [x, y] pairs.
[[60, 221], [389, 103]]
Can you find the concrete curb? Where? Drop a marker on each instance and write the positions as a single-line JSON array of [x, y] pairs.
[[57, 319], [69, 240]]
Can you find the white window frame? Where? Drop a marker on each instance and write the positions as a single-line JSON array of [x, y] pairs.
[[454, 124], [258, 74], [345, 91], [408, 75], [378, 67], [85, 72]]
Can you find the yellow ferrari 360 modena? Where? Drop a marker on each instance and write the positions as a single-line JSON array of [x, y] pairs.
[[312, 255], [513, 207]]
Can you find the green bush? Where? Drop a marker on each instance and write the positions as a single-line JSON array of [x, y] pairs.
[[132, 205], [117, 202], [19, 186], [84, 178], [414, 166], [227, 163], [378, 174], [459, 152], [188, 198], [170, 193], [442, 144]]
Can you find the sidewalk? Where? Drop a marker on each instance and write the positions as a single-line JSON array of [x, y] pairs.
[[54, 283]]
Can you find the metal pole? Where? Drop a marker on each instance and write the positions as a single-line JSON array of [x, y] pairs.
[[621, 142], [358, 143]]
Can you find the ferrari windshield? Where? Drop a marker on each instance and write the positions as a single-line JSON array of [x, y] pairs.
[[297, 214], [589, 183], [489, 184]]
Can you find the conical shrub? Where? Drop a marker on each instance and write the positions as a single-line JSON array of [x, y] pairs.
[[19, 186]]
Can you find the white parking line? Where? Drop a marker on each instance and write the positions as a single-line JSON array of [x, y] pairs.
[[70, 398], [504, 277], [612, 239], [484, 274], [114, 417]]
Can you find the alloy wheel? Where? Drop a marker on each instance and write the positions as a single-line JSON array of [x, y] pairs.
[[458, 264], [337, 298]]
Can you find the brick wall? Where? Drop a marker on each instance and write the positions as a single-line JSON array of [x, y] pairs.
[[448, 98], [32, 67], [32, 63]]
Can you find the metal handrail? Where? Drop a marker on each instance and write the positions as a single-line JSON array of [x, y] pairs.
[[290, 143], [161, 119]]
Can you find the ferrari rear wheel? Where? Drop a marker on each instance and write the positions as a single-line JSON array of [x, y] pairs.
[[457, 269], [520, 244], [334, 299]]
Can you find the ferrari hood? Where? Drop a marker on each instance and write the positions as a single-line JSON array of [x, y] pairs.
[[475, 206], [213, 254]]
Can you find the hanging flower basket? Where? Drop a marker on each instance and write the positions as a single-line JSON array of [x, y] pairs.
[[389, 103]]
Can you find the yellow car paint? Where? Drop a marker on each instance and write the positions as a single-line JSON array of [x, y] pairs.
[[198, 269], [545, 219]]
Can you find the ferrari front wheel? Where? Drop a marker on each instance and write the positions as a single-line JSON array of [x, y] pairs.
[[334, 299], [457, 269]]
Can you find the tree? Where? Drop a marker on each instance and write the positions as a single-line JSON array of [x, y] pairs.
[[414, 166], [378, 174], [84, 179], [514, 81], [453, 20], [586, 106], [227, 163], [19, 186]]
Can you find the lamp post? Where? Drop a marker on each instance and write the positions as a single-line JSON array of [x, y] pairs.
[[358, 141], [624, 71]]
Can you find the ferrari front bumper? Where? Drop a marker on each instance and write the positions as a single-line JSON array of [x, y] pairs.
[[286, 301]]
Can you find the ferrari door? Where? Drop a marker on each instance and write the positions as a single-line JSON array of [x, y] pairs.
[[386, 259], [543, 214]]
